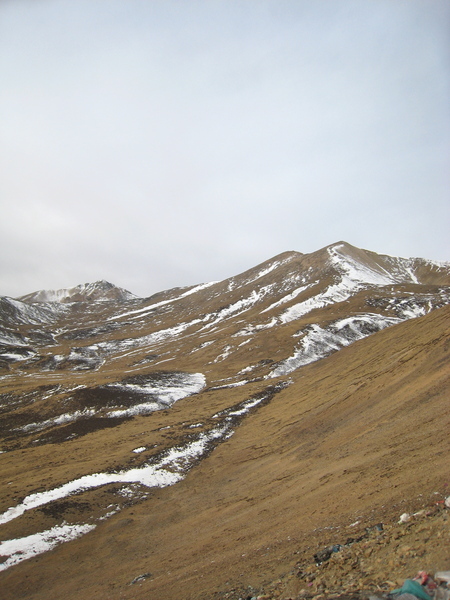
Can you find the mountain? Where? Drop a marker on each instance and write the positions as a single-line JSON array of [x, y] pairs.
[[192, 441], [100, 290]]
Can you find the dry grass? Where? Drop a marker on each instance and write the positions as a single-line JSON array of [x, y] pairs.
[[359, 435]]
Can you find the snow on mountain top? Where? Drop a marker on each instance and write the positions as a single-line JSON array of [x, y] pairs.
[[99, 290], [381, 269], [355, 269], [352, 263]]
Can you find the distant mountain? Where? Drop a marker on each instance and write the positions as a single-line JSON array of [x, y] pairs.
[[257, 395], [99, 291]]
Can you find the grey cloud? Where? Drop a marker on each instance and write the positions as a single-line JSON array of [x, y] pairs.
[[165, 143]]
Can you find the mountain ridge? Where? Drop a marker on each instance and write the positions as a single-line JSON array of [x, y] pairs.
[[105, 290]]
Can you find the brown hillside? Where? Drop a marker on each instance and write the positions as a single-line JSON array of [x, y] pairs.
[[359, 436]]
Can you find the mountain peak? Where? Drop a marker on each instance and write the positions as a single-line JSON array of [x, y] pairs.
[[99, 290]]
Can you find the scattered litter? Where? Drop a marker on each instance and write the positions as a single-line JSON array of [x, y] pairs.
[[325, 555], [425, 587], [141, 578], [413, 587], [404, 518]]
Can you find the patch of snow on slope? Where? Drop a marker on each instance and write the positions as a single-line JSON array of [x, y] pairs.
[[289, 297], [151, 307], [318, 342], [248, 369], [168, 470], [225, 354], [250, 329], [266, 271], [17, 353], [412, 310], [438, 264], [62, 419], [120, 346], [198, 288], [163, 334], [230, 385], [14, 311], [13, 338], [354, 276], [356, 271], [412, 275], [239, 306], [204, 345], [333, 294], [163, 396], [246, 405], [21, 549]]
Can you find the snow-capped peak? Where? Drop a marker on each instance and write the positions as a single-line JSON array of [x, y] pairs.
[[99, 290]]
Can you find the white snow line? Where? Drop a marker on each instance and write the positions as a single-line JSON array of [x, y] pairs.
[[318, 342], [151, 307], [153, 475], [21, 549], [289, 297]]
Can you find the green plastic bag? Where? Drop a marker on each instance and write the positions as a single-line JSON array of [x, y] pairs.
[[412, 587]]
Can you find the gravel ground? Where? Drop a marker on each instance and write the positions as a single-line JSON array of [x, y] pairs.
[[371, 564]]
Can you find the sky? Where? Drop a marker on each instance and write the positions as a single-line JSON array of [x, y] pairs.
[[166, 143]]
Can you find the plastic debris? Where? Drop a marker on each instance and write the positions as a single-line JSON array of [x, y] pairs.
[[325, 555], [413, 587], [139, 578], [404, 518]]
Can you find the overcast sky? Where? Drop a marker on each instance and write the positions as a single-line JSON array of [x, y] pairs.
[[163, 143]]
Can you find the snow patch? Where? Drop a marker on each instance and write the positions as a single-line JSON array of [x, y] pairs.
[[225, 354], [240, 306], [318, 342], [267, 270], [21, 549], [163, 394], [289, 297], [250, 329], [151, 307], [356, 271], [60, 420], [170, 469]]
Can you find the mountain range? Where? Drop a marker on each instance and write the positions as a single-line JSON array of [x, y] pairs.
[[185, 445]]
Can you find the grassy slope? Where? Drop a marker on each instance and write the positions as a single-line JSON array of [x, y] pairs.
[[359, 434]]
